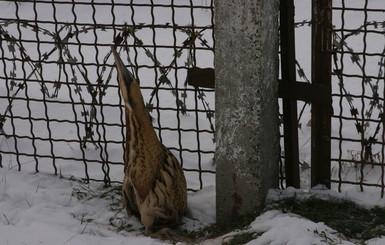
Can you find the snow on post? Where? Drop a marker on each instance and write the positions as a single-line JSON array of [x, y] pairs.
[[247, 135]]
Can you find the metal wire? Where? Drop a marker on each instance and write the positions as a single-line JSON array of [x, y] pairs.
[[68, 83], [358, 118], [360, 108]]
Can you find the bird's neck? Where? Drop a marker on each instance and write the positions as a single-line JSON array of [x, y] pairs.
[[140, 129]]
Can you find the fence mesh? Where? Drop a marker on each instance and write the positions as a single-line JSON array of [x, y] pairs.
[[358, 94], [358, 91], [60, 109], [59, 106]]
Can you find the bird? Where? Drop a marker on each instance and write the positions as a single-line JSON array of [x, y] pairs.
[[154, 186]]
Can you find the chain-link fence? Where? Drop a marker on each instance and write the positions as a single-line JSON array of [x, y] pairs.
[[60, 110], [358, 94], [350, 34]]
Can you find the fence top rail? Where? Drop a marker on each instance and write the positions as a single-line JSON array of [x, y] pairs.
[[123, 3]]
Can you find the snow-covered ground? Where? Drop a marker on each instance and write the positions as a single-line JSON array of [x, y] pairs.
[[40, 208], [45, 209]]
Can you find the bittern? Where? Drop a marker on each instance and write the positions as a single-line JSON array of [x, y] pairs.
[[154, 185]]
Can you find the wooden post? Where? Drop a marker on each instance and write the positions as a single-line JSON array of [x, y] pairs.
[[290, 120], [321, 75]]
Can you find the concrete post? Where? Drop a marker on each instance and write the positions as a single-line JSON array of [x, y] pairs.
[[247, 134]]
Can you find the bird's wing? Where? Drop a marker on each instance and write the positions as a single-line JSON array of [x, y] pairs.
[[144, 177]]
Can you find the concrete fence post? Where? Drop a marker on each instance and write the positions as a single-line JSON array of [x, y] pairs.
[[247, 132]]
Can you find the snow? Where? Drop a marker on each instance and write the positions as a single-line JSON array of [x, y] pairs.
[[41, 208], [279, 228], [44, 209]]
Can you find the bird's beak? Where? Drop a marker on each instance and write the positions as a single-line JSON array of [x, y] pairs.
[[125, 79], [124, 76]]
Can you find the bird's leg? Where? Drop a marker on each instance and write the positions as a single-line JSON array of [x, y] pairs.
[[157, 212], [125, 205], [149, 215], [168, 234], [164, 233]]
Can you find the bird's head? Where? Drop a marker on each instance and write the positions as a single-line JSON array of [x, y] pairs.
[[128, 84]]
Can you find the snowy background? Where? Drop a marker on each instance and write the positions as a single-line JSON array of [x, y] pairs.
[[41, 208]]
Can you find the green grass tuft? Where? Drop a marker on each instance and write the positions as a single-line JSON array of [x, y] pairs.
[[346, 217]]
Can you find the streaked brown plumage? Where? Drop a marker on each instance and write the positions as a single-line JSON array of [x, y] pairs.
[[154, 186]]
